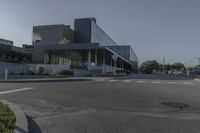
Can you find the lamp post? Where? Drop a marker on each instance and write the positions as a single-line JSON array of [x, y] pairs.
[[163, 65], [115, 57]]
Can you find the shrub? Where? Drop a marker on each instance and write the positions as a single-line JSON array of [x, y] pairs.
[[7, 119], [40, 69], [78, 67], [120, 71], [149, 66], [66, 72], [30, 72]]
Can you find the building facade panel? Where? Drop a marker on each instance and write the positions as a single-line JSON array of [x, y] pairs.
[[82, 29], [98, 35], [52, 34], [6, 42]]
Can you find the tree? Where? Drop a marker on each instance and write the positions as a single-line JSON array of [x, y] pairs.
[[149, 66], [197, 69], [179, 66], [167, 68], [40, 69]]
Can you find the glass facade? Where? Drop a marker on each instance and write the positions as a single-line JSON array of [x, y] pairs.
[[99, 36], [6, 42]]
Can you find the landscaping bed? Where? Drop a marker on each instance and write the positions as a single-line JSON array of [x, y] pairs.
[[7, 119]]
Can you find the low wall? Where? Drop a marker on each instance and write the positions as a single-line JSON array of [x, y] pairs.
[[24, 68], [80, 72], [48, 68], [13, 68]]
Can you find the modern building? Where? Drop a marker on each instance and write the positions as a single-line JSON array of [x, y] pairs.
[[52, 34], [87, 47], [11, 53], [6, 42]]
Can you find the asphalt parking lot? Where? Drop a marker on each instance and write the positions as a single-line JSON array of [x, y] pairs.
[[107, 106]]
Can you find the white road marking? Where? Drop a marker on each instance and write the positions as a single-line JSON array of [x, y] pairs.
[[171, 82], [112, 80], [17, 90], [140, 81], [126, 81], [156, 82], [187, 83], [99, 79]]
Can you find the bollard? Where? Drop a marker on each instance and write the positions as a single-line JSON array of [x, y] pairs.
[[6, 74]]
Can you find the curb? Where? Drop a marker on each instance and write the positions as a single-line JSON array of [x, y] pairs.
[[197, 79], [42, 80], [21, 125]]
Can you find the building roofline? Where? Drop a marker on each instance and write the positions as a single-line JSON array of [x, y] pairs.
[[49, 25]]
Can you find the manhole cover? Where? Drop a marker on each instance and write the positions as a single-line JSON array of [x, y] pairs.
[[178, 105]]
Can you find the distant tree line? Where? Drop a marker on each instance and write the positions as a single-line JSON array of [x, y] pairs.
[[150, 67]]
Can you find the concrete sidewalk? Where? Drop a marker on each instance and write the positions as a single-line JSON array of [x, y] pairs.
[[70, 79]]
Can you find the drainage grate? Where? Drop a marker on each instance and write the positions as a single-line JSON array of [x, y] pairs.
[[178, 105]]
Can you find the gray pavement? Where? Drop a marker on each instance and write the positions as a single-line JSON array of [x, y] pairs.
[[108, 106]]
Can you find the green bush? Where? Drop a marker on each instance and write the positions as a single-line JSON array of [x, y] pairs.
[[66, 72], [30, 72], [7, 119], [149, 66], [40, 69], [78, 67], [120, 71]]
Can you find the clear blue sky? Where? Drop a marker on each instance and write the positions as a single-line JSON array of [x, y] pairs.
[[154, 28]]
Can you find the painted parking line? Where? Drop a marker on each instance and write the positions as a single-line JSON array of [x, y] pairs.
[[99, 79], [112, 80], [141, 81], [156, 82], [171, 82], [17, 90], [187, 83], [127, 81]]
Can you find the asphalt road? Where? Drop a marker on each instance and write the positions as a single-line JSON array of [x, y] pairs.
[[107, 106]]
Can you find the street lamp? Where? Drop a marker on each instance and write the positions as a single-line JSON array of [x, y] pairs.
[[115, 57]]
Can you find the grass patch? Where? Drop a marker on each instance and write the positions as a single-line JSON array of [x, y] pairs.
[[7, 119]]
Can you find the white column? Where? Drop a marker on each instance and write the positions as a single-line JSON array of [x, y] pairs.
[[96, 57], [104, 62], [89, 57]]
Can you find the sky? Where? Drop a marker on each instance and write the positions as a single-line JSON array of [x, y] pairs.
[[154, 28]]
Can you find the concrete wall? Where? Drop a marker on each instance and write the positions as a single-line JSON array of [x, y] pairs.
[[48, 68], [80, 72], [24, 68], [13, 68]]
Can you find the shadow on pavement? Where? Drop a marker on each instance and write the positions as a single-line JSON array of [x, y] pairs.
[[32, 126], [20, 130]]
